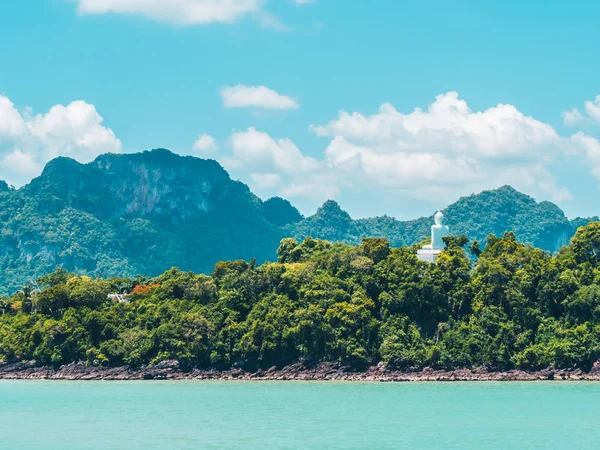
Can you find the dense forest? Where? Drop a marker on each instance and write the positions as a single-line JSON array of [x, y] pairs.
[[497, 304], [142, 213]]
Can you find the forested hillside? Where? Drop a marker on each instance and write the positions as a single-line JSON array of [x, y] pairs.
[[127, 215], [130, 214], [517, 307], [543, 224]]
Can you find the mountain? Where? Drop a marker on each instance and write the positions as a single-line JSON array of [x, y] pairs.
[[130, 214], [543, 224], [280, 212], [142, 213]]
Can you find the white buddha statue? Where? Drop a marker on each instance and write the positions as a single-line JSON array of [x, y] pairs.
[[431, 251], [438, 231]]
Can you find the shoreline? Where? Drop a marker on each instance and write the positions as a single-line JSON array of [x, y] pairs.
[[169, 370]]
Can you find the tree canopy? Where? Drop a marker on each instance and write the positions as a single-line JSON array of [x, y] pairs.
[[509, 306]]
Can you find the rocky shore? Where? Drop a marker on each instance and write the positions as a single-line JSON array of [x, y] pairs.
[[169, 370]]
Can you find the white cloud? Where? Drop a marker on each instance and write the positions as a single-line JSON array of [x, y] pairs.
[[572, 117], [433, 154], [591, 113], [447, 149], [400, 169], [590, 147], [500, 132], [278, 167], [75, 130], [592, 108], [27, 142], [256, 148], [12, 124], [241, 96], [265, 180], [20, 165], [181, 12], [205, 145]]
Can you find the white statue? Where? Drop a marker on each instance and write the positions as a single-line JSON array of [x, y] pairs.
[[430, 252], [438, 231]]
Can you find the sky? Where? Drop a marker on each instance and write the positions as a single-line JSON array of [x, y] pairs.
[[389, 107]]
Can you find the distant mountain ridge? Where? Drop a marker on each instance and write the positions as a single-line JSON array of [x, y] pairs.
[[142, 213], [543, 225]]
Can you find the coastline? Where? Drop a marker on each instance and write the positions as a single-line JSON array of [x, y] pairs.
[[169, 370]]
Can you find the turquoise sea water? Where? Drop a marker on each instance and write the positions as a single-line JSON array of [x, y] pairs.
[[289, 415]]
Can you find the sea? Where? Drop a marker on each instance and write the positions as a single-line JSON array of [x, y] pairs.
[[134, 415]]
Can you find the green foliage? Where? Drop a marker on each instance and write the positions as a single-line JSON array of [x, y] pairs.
[[122, 215], [376, 249], [541, 224], [280, 212], [475, 249], [586, 244], [514, 307], [455, 241]]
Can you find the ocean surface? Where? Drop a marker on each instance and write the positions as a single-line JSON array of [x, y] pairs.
[[295, 415]]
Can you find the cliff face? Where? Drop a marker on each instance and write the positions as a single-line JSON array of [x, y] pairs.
[[148, 184], [161, 183], [130, 214]]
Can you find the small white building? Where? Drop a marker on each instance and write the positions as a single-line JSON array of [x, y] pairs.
[[118, 298], [430, 253]]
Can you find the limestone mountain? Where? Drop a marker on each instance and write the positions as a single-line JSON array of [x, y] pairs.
[[130, 214]]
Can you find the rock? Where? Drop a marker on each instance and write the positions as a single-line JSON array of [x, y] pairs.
[[167, 364], [170, 370]]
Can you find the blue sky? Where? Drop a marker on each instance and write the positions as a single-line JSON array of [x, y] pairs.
[[289, 94]]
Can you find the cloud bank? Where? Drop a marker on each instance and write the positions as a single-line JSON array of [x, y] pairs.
[[28, 142], [436, 153]]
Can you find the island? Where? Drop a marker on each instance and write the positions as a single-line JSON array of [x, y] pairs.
[[494, 310]]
